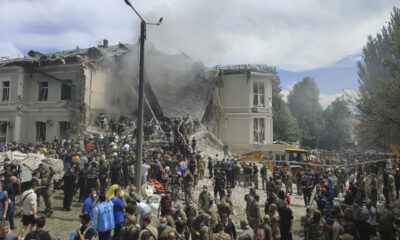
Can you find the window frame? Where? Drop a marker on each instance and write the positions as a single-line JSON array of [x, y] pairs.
[[3, 90], [46, 93], [258, 129], [258, 94]]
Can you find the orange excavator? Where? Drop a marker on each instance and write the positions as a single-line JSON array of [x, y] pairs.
[[258, 157]]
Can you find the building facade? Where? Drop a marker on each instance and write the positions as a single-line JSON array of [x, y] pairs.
[[246, 98], [47, 95]]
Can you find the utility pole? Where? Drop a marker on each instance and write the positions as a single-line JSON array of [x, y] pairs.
[[139, 137]]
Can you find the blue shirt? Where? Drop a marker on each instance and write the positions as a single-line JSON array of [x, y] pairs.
[[182, 170], [118, 210], [88, 207], [3, 199]]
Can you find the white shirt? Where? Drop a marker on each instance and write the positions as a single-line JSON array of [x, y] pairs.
[[145, 169], [127, 147], [143, 209], [372, 219], [29, 197]]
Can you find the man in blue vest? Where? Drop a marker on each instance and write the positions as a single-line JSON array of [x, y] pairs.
[[103, 218]]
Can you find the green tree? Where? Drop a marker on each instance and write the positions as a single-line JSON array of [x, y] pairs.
[[336, 134], [286, 127], [303, 102], [379, 77]]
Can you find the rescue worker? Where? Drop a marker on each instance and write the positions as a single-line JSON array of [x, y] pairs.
[[48, 188], [219, 184], [316, 227], [254, 213], [386, 224], [264, 179], [221, 235], [287, 179], [191, 214], [173, 184], [92, 179], [130, 200], [70, 180], [130, 231], [188, 180], [223, 207], [275, 220], [82, 182], [204, 198], [181, 221], [103, 175], [247, 234]]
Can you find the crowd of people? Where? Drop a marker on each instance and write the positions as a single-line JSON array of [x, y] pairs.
[[99, 172]]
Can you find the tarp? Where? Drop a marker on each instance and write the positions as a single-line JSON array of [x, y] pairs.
[[29, 162]]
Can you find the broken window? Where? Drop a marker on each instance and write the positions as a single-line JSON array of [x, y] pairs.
[[66, 90], [6, 91], [40, 131], [43, 91], [258, 94], [259, 129], [3, 130], [64, 128]]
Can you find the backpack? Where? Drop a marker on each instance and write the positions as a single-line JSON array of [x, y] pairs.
[[35, 235]]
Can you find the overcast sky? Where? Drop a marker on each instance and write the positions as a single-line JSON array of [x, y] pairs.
[[319, 38]]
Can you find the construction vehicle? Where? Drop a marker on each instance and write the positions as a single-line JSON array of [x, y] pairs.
[[298, 160], [256, 156]]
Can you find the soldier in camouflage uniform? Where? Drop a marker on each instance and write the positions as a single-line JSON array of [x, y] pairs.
[[48, 188], [305, 221], [264, 179], [223, 207], [275, 220], [266, 225], [255, 176], [201, 168], [181, 221], [173, 184], [247, 234], [191, 214], [229, 199], [130, 200], [204, 198], [221, 235], [386, 224], [249, 198], [287, 180], [317, 227], [254, 213], [188, 180]]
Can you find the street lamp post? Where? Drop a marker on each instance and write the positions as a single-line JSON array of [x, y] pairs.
[[139, 137]]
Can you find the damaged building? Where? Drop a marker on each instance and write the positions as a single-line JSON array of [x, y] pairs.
[[60, 94]]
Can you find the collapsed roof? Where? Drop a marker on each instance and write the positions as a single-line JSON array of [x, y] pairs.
[[179, 85]]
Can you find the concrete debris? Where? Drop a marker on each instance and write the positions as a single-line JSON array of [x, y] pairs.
[[29, 162]]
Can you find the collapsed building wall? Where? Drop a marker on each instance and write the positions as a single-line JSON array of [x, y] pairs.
[[60, 94]]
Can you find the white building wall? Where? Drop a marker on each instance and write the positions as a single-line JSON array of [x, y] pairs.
[[236, 127]]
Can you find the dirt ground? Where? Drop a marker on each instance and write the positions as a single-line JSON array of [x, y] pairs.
[[62, 223]]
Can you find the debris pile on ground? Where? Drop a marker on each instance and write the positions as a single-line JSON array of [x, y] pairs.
[[29, 162]]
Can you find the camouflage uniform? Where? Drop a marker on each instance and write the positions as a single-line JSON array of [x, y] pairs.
[[264, 178], [317, 226], [47, 190], [204, 199], [253, 218], [288, 178]]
